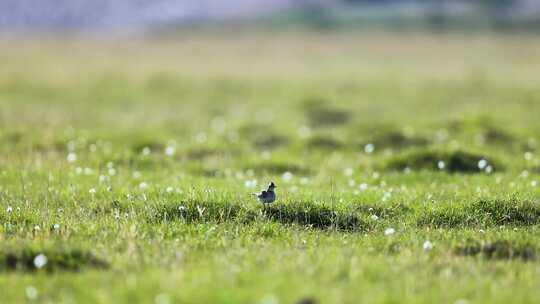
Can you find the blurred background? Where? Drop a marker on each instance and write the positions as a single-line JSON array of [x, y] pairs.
[[149, 15], [171, 68]]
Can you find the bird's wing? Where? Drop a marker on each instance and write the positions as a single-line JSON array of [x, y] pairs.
[[260, 194]]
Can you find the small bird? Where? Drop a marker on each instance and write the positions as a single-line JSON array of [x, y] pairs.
[[267, 196]]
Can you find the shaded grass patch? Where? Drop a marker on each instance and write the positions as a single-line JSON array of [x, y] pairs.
[[301, 213], [138, 161], [387, 211], [153, 145], [396, 140], [202, 153], [324, 143], [498, 250], [270, 141], [22, 259], [278, 167], [494, 135], [320, 113], [454, 162], [314, 216], [263, 137]]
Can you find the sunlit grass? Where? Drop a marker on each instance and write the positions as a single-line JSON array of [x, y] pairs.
[[407, 168]]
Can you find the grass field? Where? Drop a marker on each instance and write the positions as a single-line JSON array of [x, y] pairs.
[[407, 168]]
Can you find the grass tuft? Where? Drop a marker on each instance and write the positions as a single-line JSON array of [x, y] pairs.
[[483, 213], [314, 216]]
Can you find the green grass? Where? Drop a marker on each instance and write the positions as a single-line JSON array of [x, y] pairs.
[[129, 164]]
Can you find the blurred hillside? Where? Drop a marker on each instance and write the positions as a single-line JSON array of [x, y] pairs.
[[141, 15]]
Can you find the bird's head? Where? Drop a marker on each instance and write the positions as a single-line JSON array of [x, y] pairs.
[[271, 186]]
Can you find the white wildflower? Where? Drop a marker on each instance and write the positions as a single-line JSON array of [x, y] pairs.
[[169, 151], [31, 292], [162, 298], [287, 176], [389, 231], [92, 148], [250, 183], [369, 148], [218, 124], [71, 157], [269, 299], [441, 165], [304, 131], [482, 164], [201, 137], [427, 246], [266, 155], [40, 260]]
